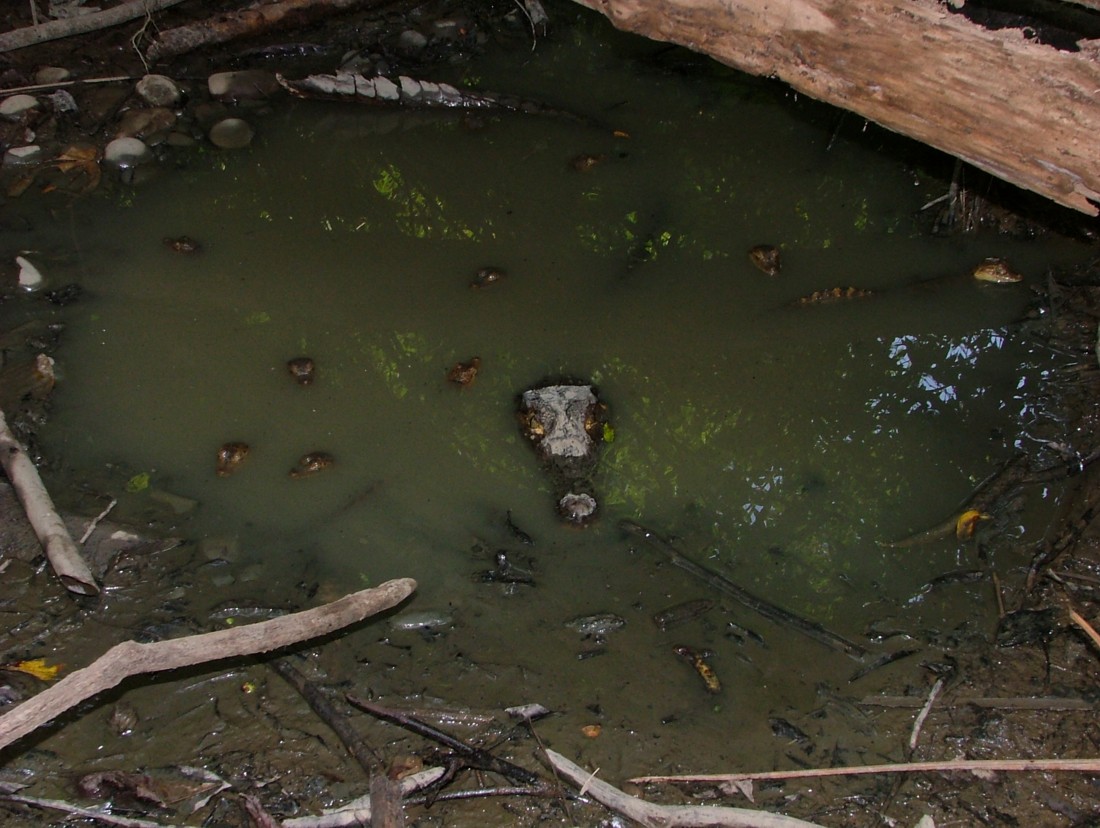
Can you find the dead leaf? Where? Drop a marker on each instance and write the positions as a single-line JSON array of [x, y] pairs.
[[36, 667], [968, 520]]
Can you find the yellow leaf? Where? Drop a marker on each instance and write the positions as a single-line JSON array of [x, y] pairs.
[[964, 526], [36, 667]]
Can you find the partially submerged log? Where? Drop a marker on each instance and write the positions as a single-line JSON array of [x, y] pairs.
[[61, 551], [131, 658], [1023, 111]]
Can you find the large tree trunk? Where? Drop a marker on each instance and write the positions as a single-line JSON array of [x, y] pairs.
[[1026, 112]]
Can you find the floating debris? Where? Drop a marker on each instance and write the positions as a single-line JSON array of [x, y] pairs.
[[182, 244], [675, 615], [464, 373], [312, 463], [698, 660], [766, 258], [598, 624], [487, 276], [303, 369], [230, 457], [996, 271]]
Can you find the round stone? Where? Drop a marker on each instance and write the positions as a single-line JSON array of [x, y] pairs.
[[245, 85], [231, 133], [158, 90], [127, 152], [52, 74], [14, 106], [411, 43], [18, 156]]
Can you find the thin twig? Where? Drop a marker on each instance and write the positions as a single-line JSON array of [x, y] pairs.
[[476, 757], [951, 766], [918, 723], [95, 522], [38, 87], [1086, 626], [83, 813]]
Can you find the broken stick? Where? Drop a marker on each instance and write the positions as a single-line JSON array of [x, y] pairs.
[[664, 816], [765, 608], [131, 658], [61, 552]]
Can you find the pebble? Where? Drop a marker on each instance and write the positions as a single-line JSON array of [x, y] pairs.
[[422, 620], [601, 623], [244, 85], [411, 43], [143, 123], [127, 152], [158, 90], [30, 277], [52, 74], [18, 156], [14, 106], [231, 133]]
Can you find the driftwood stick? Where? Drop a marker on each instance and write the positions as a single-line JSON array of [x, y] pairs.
[[385, 803], [476, 757], [1038, 703], [667, 816], [759, 605], [131, 658], [81, 24], [322, 705], [1090, 631], [950, 766], [61, 552], [358, 811], [81, 812]]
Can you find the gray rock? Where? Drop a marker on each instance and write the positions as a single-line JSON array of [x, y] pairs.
[[18, 156], [127, 152], [410, 43], [16, 105], [245, 85], [52, 74], [231, 133], [158, 90], [423, 620]]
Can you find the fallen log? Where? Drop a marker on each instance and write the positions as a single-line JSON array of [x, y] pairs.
[[81, 24], [131, 658], [61, 552], [251, 21], [1021, 110]]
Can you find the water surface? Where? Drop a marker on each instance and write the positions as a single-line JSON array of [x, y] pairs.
[[780, 444]]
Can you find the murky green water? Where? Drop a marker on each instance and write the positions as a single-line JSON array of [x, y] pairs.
[[782, 444]]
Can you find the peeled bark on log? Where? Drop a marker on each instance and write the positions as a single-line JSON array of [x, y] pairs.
[[1020, 110], [250, 21], [82, 24], [131, 658]]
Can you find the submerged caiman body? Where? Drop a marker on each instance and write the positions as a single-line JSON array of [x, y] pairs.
[[406, 91]]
